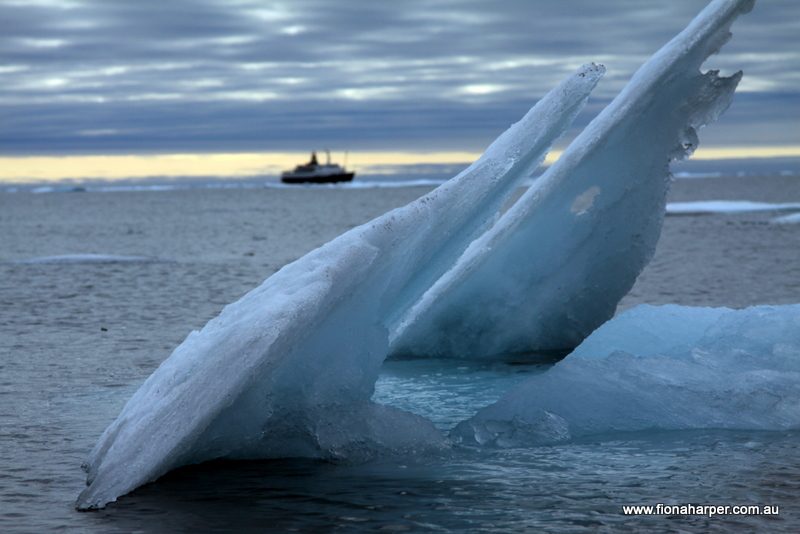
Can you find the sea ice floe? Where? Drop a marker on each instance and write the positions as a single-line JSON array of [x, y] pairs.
[[704, 207], [793, 218]]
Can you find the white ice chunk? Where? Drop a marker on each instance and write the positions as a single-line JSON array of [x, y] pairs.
[[704, 207], [794, 218], [667, 367], [289, 369], [556, 264]]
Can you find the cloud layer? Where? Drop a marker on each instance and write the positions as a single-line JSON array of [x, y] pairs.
[[239, 75]]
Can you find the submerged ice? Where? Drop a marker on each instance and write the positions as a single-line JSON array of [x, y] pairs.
[[290, 368], [665, 368]]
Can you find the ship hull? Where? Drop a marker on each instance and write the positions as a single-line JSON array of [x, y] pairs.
[[322, 179]]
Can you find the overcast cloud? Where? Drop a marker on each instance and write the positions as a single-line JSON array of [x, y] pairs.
[[174, 76]]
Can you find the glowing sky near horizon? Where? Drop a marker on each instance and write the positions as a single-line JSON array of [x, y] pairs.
[[243, 87], [242, 165]]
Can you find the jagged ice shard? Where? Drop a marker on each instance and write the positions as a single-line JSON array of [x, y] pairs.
[[556, 264], [289, 369]]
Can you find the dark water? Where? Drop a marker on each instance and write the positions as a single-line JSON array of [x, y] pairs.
[[77, 338]]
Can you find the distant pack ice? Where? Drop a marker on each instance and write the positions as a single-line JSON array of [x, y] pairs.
[[658, 368], [290, 368]]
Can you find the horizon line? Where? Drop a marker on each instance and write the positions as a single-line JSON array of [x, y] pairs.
[[249, 164]]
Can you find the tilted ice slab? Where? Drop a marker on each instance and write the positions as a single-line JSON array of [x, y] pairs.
[[288, 370], [667, 367], [557, 263]]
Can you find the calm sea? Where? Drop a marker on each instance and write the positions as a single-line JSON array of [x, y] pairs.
[[97, 288]]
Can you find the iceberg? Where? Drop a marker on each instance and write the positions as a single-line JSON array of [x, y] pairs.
[[289, 369], [658, 367], [554, 267]]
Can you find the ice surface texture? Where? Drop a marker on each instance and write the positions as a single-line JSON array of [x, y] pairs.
[[667, 367], [289, 369], [556, 264]]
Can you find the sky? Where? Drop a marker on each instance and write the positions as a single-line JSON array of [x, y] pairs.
[[113, 88]]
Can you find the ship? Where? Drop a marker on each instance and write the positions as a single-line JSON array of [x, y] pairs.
[[315, 173]]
